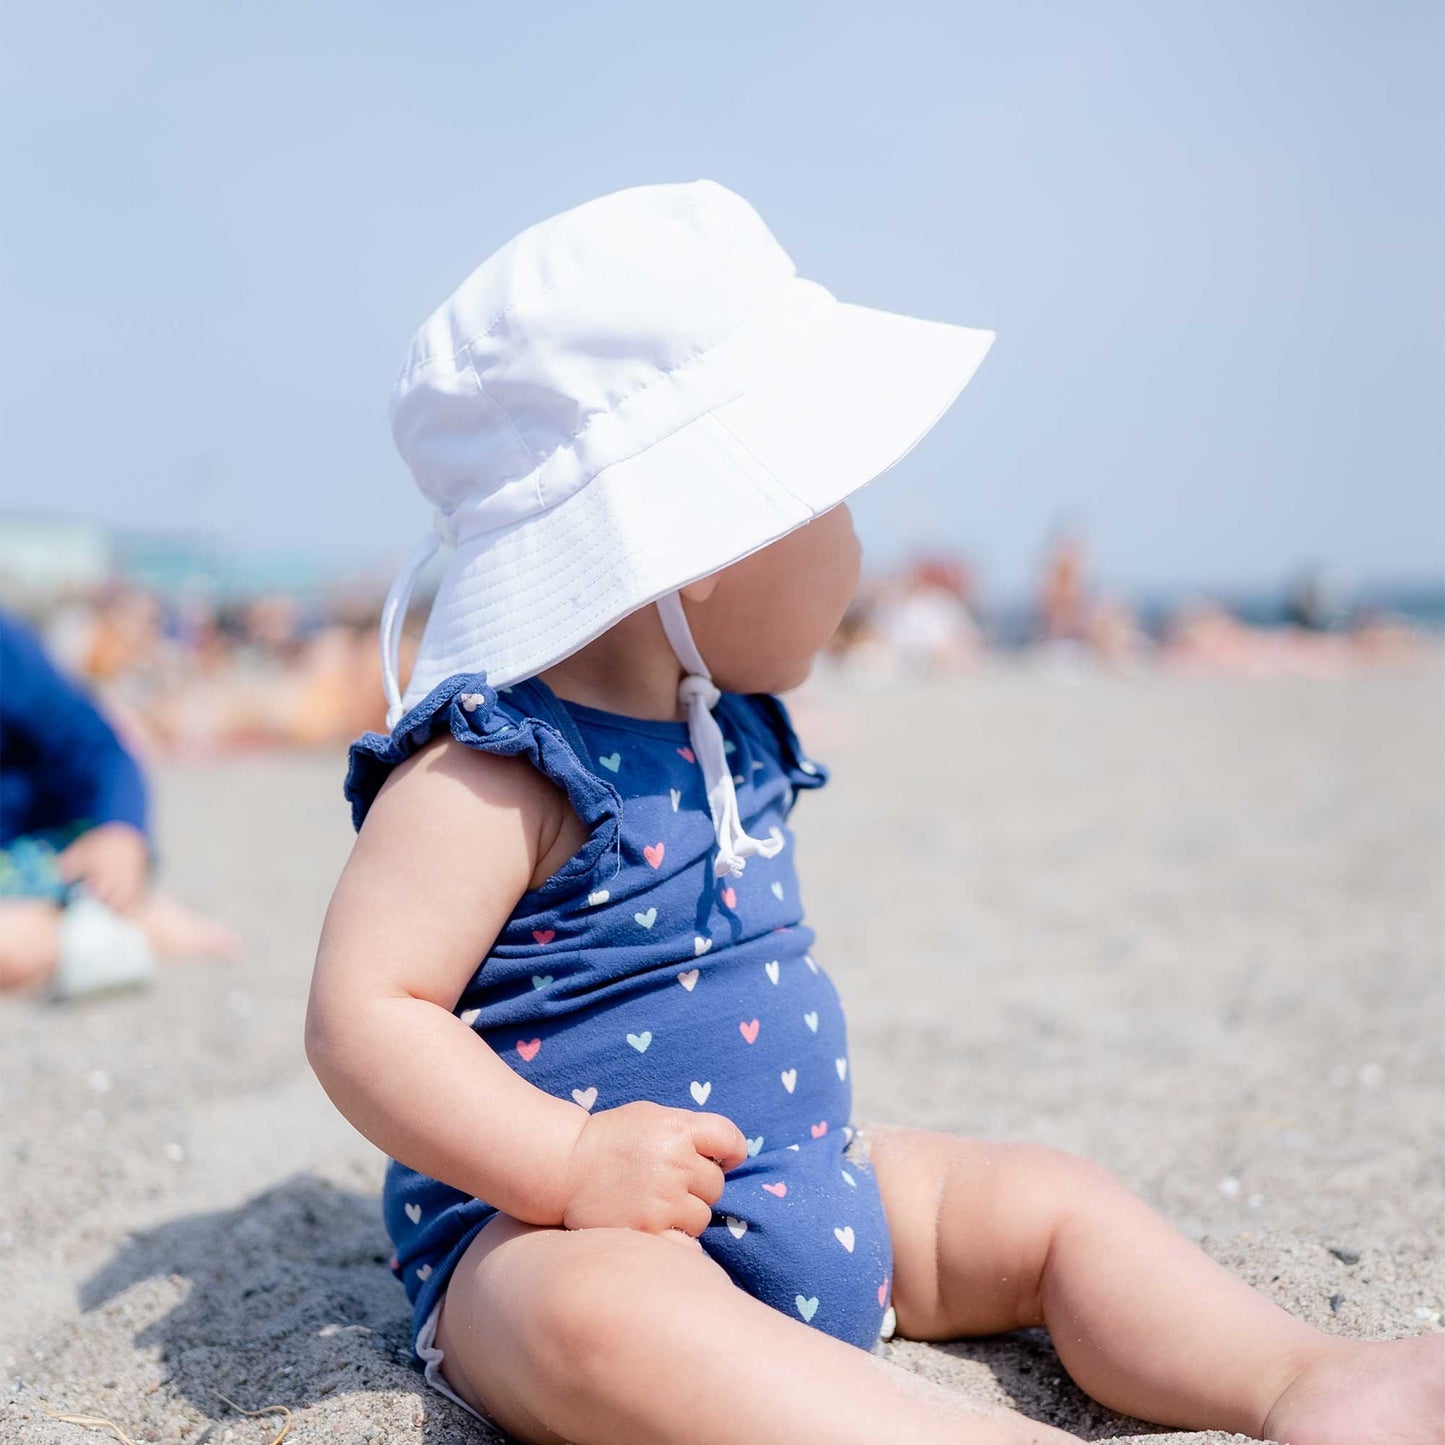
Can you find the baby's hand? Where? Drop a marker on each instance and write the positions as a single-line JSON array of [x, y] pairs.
[[647, 1167]]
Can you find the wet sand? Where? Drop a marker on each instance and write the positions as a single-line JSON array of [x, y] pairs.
[[1191, 928]]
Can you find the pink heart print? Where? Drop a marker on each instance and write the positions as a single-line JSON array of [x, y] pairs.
[[730, 897], [819, 1129], [780, 1189], [750, 1031], [687, 755], [653, 853], [528, 1048], [883, 1291], [544, 935]]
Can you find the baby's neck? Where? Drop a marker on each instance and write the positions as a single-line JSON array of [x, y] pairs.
[[631, 669]]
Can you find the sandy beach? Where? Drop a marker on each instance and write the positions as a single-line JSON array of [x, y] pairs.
[[1189, 927]]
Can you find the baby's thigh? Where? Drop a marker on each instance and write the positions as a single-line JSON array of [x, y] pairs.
[[972, 1223], [531, 1313]]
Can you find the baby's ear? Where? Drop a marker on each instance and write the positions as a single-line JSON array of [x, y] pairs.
[[700, 590]]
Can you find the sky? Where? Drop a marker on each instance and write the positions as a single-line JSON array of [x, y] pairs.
[[1208, 233]]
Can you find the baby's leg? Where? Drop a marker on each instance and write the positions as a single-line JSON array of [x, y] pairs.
[[29, 941], [603, 1335], [994, 1237]]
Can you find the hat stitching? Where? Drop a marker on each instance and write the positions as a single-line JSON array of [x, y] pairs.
[[761, 463], [511, 422], [451, 359], [661, 375], [583, 568], [438, 358], [456, 608]]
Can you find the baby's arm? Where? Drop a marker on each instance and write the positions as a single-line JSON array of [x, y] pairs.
[[450, 845]]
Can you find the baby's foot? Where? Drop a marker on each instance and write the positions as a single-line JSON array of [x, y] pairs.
[[1390, 1393], [180, 933]]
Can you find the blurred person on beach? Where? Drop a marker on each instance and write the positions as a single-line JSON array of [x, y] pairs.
[[1070, 621], [923, 626], [78, 909], [565, 981]]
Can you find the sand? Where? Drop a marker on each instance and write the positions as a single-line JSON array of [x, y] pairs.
[[1190, 928]]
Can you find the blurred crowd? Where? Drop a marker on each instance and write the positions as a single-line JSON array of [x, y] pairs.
[[187, 677], [929, 618]]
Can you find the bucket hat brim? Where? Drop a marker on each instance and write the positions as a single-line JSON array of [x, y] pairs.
[[867, 387]]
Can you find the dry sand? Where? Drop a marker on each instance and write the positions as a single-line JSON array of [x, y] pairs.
[[1191, 928]]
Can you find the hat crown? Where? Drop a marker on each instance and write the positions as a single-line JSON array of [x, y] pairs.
[[555, 335]]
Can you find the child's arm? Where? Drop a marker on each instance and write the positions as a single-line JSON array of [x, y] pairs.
[[451, 843], [82, 766]]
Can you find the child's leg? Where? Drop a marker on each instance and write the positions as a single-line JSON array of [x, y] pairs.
[[606, 1335], [29, 941], [31, 937], [993, 1237]]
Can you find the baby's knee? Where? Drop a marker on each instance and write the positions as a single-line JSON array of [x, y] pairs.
[[1070, 1178], [609, 1293]]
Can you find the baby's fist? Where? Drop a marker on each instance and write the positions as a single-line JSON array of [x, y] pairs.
[[647, 1167]]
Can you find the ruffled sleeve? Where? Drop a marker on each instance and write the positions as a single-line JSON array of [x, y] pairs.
[[802, 771], [468, 709]]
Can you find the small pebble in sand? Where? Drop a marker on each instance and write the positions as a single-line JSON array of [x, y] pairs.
[[1372, 1075], [176, 1153], [1344, 1254], [1336, 1300], [1424, 1312], [1255, 1200], [98, 1080], [1229, 1187]]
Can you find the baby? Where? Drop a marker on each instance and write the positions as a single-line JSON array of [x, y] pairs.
[[565, 980]]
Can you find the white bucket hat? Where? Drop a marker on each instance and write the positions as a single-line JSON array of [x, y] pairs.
[[628, 397]]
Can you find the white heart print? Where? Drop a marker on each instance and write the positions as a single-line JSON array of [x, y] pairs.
[[586, 1097], [700, 1092], [790, 1079]]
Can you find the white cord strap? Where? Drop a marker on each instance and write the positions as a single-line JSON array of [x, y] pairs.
[[393, 618], [699, 696]]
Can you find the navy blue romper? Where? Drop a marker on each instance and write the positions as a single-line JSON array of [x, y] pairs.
[[633, 973]]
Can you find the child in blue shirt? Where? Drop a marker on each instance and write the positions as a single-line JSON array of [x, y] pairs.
[[565, 980], [77, 910]]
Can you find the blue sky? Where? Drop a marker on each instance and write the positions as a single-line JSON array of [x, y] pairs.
[[1208, 233]]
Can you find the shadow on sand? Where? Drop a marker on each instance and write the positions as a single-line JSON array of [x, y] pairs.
[[290, 1300], [1030, 1373]]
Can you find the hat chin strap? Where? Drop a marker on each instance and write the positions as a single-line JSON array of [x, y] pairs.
[[698, 694], [393, 618]]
